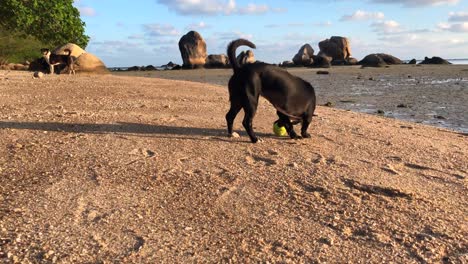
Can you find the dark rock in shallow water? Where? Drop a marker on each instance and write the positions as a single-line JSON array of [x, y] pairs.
[[379, 60], [434, 60], [338, 48], [322, 61], [217, 61], [246, 57], [304, 56], [133, 68], [351, 61], [287, 64], [193, 50], [149, 68], [338, 62], [413, 61]]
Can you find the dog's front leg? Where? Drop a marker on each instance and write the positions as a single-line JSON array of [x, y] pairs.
[[51, 68], [286, 122]]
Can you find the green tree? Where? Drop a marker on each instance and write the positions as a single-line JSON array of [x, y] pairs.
[[54, 22]]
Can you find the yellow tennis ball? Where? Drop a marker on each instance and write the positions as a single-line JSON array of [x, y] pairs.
[[280, 131]]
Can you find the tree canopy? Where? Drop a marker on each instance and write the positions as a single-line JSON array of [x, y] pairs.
[[54, 22]]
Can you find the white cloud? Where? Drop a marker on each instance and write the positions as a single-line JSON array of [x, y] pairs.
[[254, 9], [197, 26], [418, 3], [198, 7], [363, 15], [159, 30], [258, 9], [458, 16], [233, 35], [387, 27], [324, 24], [216, 7], [454, 27], [87, 11], [114, 46]]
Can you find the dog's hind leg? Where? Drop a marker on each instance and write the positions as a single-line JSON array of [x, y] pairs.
[[231, 115], [250, 108], [286, 122]]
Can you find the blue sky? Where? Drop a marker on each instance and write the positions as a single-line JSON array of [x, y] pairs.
[[143, 32]]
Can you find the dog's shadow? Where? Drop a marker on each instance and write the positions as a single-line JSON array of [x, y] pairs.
[[196, 133]]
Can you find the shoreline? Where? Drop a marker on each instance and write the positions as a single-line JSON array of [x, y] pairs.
[[430, 94]]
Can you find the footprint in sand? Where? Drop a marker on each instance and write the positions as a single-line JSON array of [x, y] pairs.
[[253, 159]]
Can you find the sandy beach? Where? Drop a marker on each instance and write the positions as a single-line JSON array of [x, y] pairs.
[[125, 169]]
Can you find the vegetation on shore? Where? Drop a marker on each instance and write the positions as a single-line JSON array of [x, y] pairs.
[[27, 26]]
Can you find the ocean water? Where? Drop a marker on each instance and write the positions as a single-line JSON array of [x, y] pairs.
[[459, 61], [453, 61]]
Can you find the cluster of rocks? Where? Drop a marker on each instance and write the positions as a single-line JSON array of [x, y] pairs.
[[84, 61], [192, 48], [14, 66], [333, 51], [168, 66]]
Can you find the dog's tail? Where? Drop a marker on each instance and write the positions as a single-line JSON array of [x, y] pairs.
[[231, 51], [67, 50]]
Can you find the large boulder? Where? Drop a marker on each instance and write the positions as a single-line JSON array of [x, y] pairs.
[[379, 60], [14, 67], [434, 60], [351, 61], [89, 63], [304, 56], [287, 64], [193, 50], [84, 62], [217, 61], [246, 57], [338, 48], [322, 61], [76, 51]]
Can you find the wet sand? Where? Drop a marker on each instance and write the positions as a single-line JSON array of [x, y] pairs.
[[430, 94]]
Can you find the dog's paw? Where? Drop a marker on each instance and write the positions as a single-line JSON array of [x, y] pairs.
[[257, 140], [234, 135], [306, 135], [295, 136]]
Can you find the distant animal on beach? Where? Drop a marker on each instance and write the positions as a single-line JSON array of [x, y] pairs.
[[55, 59], [293, 98]]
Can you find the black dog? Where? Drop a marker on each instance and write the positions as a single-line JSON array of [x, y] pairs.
[[54, 59], [293, 98]]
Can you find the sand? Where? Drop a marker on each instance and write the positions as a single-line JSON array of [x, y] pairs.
[[104, 169]]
